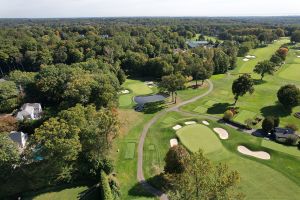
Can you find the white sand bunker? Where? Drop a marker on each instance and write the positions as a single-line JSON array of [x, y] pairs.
[[223, 134], [189, 122], [298, 56], [257, 154], [173, 142], [250, 56], [205, 123], [245, 59], [177, 127], [124, 92]]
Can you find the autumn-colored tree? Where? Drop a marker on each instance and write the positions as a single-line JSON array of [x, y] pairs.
[[282, 52], [8, 124]]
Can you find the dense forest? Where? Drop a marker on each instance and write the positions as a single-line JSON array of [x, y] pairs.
[[75, 69]]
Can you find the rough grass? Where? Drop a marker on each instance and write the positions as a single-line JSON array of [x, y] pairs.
[[69, 193], [130, 150], [197, 136]]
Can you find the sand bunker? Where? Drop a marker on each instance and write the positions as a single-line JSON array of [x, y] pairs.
[[173, 142], [257, 154], [124, 91], [223, 134], [205, 123], [298, 56], [245, 59], [177, 127], [250, 56], [189, 122]]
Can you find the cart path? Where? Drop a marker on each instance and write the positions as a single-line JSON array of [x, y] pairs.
[[140, 173]]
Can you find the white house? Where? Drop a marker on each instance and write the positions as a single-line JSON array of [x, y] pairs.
[[30, 111], [20, 138]]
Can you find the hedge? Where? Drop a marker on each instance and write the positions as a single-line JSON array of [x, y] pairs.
[[105, 191]]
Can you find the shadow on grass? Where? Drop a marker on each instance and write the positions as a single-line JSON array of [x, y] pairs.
[[157, 183], [276, 111], [218, 108], [259, 81], [150, 108]]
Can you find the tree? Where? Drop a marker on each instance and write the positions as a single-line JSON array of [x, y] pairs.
[[228, 115], [282, 52], [59, 145], [221, 62], [9, 156], [295, 36], [289, 96], [8, 124], [241, 86], [172, 83], [203, 180], [176, 159], [276, 59], [280, 32], [264, 67], [9, 96], [269, 124]]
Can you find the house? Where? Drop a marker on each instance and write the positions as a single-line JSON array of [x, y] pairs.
[[20, 138], [31, 111], [194, 44]]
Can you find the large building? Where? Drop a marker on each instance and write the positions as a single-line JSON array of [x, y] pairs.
[[30, 111]]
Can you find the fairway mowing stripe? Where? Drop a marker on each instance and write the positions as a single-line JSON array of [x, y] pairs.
[[130, 149]]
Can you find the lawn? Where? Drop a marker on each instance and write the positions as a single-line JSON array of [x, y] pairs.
[[61, 193], [278, 178], [264, 99], [197, 136], [282, 148], [243, 115]]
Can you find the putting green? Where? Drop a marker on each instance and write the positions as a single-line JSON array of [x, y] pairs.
[[197, 136], [125, 100], [291, 72], [140, 88]]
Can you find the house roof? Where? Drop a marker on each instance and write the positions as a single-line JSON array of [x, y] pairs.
[[283, 132], [19, 137], [194, 44]]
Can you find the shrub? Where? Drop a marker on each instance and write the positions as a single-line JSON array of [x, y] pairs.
[[249, 123], [105, 188], [292, 126], [291, 139], [228, 115]]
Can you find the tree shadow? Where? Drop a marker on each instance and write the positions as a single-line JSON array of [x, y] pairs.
[[157, 184], [150, 108], [276, 111], [259, 81], [218, 108]]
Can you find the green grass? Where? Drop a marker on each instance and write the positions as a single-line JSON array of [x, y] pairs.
[[243, 116], [289, 72], [291, 150], [130, 149], [200, 109], [264, 99], [136, 87], [197, 136], [69, 193], [278, 178]]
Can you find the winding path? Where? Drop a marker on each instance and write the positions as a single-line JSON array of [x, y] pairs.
[[140, 173]]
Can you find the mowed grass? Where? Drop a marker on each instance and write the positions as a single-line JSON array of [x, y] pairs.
[[197, 136], [264, 99], [278, 178], [290, 72], [279, 147], [136, 88], [69, 193], [130, 149], [243, 116]]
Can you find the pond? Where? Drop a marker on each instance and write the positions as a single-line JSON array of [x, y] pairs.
[[141, 100]]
